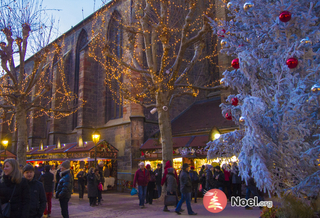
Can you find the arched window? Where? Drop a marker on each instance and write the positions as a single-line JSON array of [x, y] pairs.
[[113, 107], [82, 42]]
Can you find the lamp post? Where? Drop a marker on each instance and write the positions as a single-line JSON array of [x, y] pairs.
[[5, 143], [95, 139]]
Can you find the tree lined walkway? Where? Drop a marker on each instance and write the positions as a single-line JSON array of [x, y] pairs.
[[125, 205]]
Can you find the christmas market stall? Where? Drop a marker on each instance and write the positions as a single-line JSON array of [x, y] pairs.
[[81, 156], [186, 149], [4, 154], [84, 157]]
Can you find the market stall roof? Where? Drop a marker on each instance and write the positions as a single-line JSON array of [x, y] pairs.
[[199, 141], [6, 154], [53, 149], [199, 117], [87, 146], [153, 143]]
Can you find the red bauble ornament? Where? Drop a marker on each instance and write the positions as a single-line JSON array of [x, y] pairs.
[[285, 16], [292, 63], [234, 101], [235, 63], [220, 32], [228, 116]]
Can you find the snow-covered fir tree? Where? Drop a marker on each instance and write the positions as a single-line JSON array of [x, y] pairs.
[[276, 49]]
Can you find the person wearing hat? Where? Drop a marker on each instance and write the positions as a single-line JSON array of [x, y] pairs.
[[185, 189], [141, 177], [101, 180], [64, 188], [158, 174], [195, 181], [219, 178], [37, 194]]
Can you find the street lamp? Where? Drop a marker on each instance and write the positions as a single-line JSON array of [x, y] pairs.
[[95, 139], [215, 134], [5, 143]]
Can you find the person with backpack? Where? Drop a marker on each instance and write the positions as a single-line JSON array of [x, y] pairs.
[[151, 185], [195, 181]]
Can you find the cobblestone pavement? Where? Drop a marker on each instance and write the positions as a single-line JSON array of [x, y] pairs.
[[125, 205]]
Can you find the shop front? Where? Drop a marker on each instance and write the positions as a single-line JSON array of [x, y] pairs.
[[6, 154], [186, 149]]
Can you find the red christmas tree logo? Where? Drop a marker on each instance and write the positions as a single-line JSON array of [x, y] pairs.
[[215, 200]]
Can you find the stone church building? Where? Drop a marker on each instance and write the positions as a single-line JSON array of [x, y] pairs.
[[125, 126]]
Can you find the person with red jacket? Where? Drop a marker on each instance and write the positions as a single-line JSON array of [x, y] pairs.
[[142, 177], [166, 167]]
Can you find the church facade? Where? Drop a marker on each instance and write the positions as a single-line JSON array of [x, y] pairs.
[[125, 126]]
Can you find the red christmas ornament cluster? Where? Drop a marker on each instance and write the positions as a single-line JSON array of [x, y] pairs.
[[228, 116], [285, 16], [292, 63], [234, 101], [235, 63]]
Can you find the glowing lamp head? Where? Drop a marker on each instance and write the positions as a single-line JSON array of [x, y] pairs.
[[5, 143], [217, 135], [95, 136]]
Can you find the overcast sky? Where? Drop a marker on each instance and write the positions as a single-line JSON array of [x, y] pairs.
[[71, 12]]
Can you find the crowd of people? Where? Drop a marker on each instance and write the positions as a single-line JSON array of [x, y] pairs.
[[27, 191], [189, 183]]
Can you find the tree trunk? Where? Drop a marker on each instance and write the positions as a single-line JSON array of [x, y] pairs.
[[165, 129], [21, 116]]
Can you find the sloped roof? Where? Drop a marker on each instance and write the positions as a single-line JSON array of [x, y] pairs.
[[200, 117]]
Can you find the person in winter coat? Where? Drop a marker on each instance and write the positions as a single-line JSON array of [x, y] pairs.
[[185, 189], [101, 180], [219, 178], [37, 194], [14, 187], [195, 181], [172, 186], [210, 184], [81, 182], [227, 183], [92, 187], [141, 177], [47, 180], [235, 180], [57, 178], [202, 176], [64, 188], [166, 167], [158, 174], [151, 185]]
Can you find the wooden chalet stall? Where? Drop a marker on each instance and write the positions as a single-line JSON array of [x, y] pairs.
[[6, 154], [80, 157], [186, 149]]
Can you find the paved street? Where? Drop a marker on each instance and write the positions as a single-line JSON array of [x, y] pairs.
[[125, 205]]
